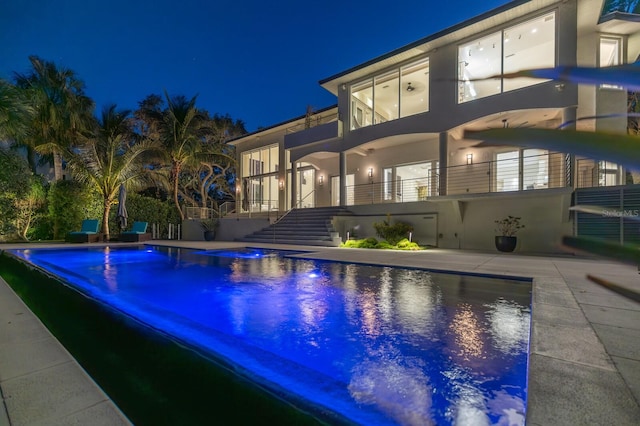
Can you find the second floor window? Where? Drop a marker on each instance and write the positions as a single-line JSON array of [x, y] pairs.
[[528, 45], [397, 93], [610, 54]]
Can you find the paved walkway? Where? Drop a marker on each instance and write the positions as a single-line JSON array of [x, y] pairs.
[[584, 351]]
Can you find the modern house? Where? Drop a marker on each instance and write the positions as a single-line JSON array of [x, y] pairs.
[[394, 142]]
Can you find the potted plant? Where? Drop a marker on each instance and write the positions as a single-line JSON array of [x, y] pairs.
[[507, 229], [209, 227]]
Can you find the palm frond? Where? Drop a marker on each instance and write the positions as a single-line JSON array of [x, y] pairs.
[[627, 75]]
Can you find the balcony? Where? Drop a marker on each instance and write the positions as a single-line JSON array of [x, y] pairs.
[[315, 129]]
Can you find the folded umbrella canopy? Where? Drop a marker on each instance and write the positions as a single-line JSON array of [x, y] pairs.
[[121, 216], [245, 194]]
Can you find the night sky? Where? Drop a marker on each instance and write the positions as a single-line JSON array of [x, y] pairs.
[[257, 61]]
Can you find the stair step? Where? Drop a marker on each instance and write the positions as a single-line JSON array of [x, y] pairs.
[[302, 226], [323, 243]]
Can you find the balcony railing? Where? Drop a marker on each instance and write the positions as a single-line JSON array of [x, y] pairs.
[[518, 174], [312, 121], [200, 213]]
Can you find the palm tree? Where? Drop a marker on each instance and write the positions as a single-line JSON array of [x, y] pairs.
[[15, 112], [111, 157], [61, 109], [180, 129]]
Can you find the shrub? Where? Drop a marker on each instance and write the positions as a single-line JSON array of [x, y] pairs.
[[351, 244], [14, 185], [405, 244], [372, 243], [369, 243], [69, 202], [392, 233], [384, 245]]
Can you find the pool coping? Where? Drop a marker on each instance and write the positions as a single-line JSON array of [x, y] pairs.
[[573, 377], [40, 381]]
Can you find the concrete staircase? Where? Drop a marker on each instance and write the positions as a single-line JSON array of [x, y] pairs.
[[311, 227]]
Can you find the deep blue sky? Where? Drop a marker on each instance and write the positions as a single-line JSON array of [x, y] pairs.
[[258, 61]]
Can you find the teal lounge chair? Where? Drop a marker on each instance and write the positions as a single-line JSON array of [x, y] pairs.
[[88, 233], [138, 233]]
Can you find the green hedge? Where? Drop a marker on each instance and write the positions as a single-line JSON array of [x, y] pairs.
[[69, 202], [146, 209]]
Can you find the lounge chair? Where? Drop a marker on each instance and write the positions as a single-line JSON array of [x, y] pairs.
[[138, 233], [88, 233]]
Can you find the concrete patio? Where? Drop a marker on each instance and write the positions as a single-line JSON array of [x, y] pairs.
[[584, 351]]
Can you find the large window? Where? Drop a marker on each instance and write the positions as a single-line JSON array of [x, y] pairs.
[[535, 169], [534, 164], [524, 46], [507, 171], [260, 179], [335, 190], [414, 88], [411, 182], [397, 93]]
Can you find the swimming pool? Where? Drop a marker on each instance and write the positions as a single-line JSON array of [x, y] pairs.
[[376, 345]]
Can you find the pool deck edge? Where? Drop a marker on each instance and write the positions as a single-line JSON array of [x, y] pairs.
[[41, 383]]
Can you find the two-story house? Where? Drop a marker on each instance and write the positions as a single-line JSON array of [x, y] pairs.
[[394, 143]]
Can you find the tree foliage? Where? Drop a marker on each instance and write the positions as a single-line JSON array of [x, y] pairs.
[[15, 112], [48, 113], [61, 110], [15, 180], [112, 156], [195, 165]]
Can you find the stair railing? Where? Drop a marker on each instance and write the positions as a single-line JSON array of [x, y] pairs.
[[273, 225], [291, 209]]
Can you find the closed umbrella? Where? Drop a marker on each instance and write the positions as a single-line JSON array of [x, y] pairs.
[[121, 216], [245, 195]]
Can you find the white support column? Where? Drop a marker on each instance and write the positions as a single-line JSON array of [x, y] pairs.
[[294, 184], [343, 179], [444, 163]]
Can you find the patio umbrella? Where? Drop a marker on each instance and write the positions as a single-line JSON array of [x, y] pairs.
[[121, 216], [245, 194]]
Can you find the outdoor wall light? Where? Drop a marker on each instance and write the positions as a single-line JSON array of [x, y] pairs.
[[469, 158], [281, 185], [321, 180], [370, 174]]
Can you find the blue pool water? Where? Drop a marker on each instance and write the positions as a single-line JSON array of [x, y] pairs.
[[377, 345]]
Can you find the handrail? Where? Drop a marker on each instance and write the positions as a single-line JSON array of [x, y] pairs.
[[223, 209], [291, 209], [304, 198]]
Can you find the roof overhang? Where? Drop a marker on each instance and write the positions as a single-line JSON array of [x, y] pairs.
[[619, 23]]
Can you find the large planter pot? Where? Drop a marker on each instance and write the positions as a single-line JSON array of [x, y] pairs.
[[209, 235], [506, 244]]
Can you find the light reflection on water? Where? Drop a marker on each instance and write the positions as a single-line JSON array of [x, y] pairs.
[[376, 344]]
